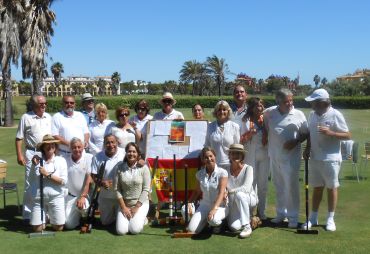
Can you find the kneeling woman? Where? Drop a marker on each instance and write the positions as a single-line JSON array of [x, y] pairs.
[[132, 184], [241, 194], [55, 177], [211, 183]]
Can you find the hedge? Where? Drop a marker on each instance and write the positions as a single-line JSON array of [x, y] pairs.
[[55, 104]]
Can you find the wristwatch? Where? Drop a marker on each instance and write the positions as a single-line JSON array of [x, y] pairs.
[[49, 176]]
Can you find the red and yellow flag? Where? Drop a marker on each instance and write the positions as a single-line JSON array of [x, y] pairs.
[[163, 179]]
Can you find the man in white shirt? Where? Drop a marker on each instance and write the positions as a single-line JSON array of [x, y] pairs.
[[111, 154], [87, 110], [239, 107], [79, 179], [168, 112], [68, 124], [287, 129], [33, 126], [327, 128]]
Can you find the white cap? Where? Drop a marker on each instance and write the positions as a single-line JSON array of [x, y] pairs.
[[319, 94]]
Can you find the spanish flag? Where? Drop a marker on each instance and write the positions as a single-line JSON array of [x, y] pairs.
[[163, 179]]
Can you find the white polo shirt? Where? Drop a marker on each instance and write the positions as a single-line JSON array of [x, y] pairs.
[[76, 173], [282, 128], [33, 128], [220, 141], [109, 173], [171, 116], [69, 127], [97, 132], [210, 185], [323, 147], [237, 116], [58, 166]]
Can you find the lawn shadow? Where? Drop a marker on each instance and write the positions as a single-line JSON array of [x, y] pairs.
[[11, 220]]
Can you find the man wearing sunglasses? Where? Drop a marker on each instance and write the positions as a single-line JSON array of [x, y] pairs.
[[168, 112], [67, 124], [32, 127], [87, 110]]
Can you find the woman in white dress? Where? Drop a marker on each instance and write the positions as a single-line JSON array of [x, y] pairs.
[[99, 128], [254, 137], [124, 131], [241, 194], [211, 183]]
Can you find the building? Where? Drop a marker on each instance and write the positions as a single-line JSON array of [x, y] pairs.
[[358, 75]]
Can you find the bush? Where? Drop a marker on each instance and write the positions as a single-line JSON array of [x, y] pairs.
[[55, 104]]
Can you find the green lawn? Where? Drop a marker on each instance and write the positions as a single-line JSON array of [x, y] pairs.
[[352, 219]]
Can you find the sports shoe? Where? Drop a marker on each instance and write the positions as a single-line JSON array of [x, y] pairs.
[[246, 232], [330, 225], [310, 224]]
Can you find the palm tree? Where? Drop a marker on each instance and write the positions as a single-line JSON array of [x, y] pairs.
[[316, 79], [116, 78], [57, 70], [36, 34], [10, 19], [324, 81], [217, 67], [192, 72]]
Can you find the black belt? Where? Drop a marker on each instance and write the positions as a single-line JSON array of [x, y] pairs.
[[71, 195]]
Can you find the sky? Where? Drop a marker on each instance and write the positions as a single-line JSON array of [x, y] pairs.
[[150, 40]]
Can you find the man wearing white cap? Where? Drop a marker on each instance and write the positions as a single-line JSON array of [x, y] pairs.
[[168, 112], [87, 110], [327, 128]]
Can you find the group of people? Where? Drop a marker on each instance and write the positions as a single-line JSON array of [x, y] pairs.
[[243, 145]]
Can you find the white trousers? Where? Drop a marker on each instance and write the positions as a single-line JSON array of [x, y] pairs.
[[260, 182], [53, 206], [108, 210], [73, 214], [134, 225], [239, 207], [285, 176], [200, 218], [27, 193]]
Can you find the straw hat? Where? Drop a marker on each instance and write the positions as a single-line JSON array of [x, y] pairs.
[[236, 148], [47, 139], [166, 96], [87, 97]]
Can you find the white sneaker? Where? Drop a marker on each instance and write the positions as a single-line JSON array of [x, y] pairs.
[[310, 224], [246, 232], [330, 225]]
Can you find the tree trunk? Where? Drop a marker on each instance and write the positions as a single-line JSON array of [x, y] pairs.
[[7, 86], [36, 84]]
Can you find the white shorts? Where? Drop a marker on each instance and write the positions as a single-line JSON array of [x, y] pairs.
[[324, 173], [53, 206]]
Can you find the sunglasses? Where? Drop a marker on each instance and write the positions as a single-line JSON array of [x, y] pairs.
[[69, 102], [167, 101], [141, 109], [43, 103], [123, 115]]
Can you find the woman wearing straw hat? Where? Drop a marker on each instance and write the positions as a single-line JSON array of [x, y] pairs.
[[241, 194], [55, 177], [168, 112]]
